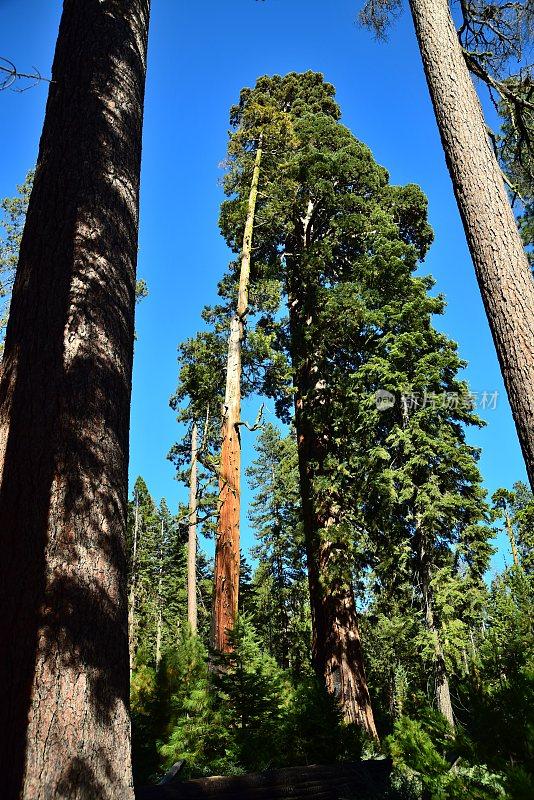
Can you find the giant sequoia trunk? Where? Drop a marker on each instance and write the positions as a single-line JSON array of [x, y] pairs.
[[227, 553], [500, 262], [192, 611], [64, 420], [336, 647]]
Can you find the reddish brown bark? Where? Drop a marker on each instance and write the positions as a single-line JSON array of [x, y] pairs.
[[227, 551], [336, 647], [64, 422], [499, 258]]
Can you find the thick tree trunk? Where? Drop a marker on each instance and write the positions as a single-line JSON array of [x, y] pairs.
[[192, 611], [498, 255], [336, 647], [64, 421], [227, 554]]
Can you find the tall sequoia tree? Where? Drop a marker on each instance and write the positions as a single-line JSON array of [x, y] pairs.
[[500, 262], [64, 420], [309, 100]]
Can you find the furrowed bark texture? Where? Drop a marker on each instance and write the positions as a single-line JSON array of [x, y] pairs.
[[499, 258], [192, 612], [64, 421], [227, 553]]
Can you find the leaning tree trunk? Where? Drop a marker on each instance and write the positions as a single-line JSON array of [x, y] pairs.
[[64, 420], [227, 554], [498, 255], [192, 611], [336, 646]]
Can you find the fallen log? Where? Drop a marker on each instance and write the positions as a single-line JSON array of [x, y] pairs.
[[363, 780]]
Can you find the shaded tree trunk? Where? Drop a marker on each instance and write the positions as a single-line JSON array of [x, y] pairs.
[[227, 553], [192, 611], [499, 258], [64, 423], [441, 678], [336, 647], [443, 693]]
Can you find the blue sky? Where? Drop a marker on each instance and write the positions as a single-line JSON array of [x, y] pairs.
[[201, 54]]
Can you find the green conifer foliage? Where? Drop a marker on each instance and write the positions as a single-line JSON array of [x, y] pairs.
[[11, 225], [281, 612]]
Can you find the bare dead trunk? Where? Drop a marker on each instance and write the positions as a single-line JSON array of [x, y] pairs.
[[192, 611], [336, 646], [227, 552], [132, 598], [64, 422], [499, 258]]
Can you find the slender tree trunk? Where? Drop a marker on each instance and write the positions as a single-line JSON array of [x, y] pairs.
[[443, 694], [64, 422], [511, 538], [441, 678], [159, 628], [159, 614], [132, 596], [498, 255], [192, 612], [227, 553], [336, 646]]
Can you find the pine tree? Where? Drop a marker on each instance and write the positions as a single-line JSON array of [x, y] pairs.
[[12, 222], [157, 586], [280, 613], [64, 418], [499, 259]]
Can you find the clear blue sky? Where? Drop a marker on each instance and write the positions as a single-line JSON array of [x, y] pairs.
[[201, 54]]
